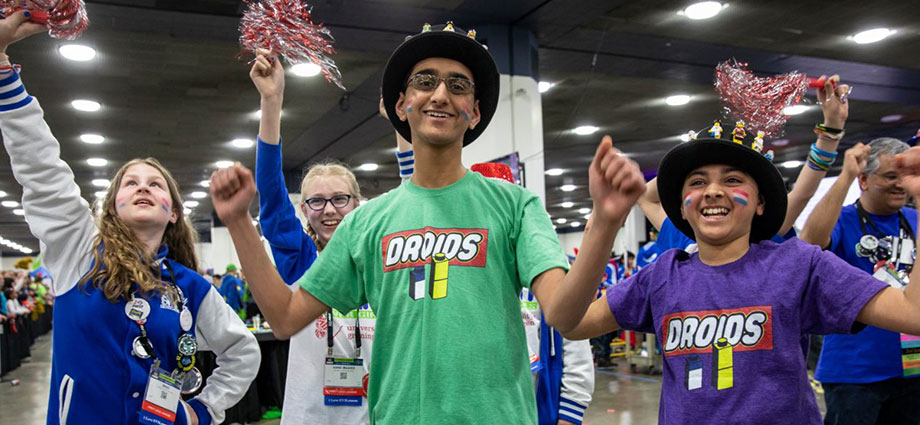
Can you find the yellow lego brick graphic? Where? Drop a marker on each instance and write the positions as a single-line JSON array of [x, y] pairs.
[[437, 281], [722, 364]]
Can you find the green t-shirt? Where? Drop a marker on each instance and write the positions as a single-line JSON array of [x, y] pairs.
[[449, 345]]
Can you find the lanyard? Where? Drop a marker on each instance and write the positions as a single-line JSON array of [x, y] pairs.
[[144, 339], [865, 219], [329, 336]]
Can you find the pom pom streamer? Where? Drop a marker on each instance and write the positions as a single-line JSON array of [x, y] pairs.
[[758, 101], [66, 19], [285, 28]]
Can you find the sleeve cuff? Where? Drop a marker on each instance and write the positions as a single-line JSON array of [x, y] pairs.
[[204, 415], [571, 410], [12, 92]]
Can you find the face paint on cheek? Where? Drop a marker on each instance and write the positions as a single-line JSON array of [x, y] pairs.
[[740, 196], [409, 107], [688, 198], [120, 203], [165, 204], [465, 111]]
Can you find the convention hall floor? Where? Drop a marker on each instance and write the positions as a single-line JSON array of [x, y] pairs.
[[620, 397]]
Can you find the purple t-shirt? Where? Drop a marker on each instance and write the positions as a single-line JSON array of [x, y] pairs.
[[730, 334]]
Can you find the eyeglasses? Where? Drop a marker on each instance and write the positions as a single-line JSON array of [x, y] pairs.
[[889, 178], [430, 82], [319, 204]]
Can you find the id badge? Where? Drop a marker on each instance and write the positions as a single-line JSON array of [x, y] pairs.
[[343, 382], [161, 398], [907, 251], [886, 275]]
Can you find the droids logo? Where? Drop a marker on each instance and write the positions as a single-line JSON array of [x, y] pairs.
[[692, 332], [412, 248]]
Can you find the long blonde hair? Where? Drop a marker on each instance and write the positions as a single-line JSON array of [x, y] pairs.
[[327, 168], [120, 265]]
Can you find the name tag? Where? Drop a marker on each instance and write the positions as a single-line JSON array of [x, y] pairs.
[[344, 382], [161, 398]]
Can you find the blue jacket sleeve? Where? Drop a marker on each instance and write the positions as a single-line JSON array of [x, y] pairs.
[[292, 249]]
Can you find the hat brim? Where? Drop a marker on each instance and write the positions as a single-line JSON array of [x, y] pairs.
[[449, 45], [686, 157]]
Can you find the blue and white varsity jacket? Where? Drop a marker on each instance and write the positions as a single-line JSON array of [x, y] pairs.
[[95, 378]]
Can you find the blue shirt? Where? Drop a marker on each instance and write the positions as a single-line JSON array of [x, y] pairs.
[[232, 290], [2, 304], [874, 354]]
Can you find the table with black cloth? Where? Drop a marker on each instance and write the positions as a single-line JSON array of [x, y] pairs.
[[268, 388]]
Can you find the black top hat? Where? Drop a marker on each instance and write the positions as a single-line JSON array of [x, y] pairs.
[[442, 41], [686, 157]]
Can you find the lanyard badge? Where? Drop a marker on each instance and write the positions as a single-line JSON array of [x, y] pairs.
[[344, 379], [344, 382], [161, 398]]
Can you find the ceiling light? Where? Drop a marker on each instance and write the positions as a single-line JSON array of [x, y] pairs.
[[584, 210], [19, 211], [97, 162], [93, 139], [892, 118], [370, 166], [198, 195], [242, 143], [587, 216], [561, 220], [10, 204], [190, 204], [576, 224], [544, 86], [186, 211], [780, 142], [255, 223], [205, 183], [85, 105], [100, 183], [567, 204], [794, 109], [871, 36], [685, 137], [585, 130], [791, 164], [677, 100], [306, 69], [554, 172], [101, 194], [77, 52], [703, 9], [567, 187], [223, 164], [2, 193], [26, 250]]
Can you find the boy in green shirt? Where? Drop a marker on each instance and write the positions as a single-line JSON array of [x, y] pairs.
[[442, 258]]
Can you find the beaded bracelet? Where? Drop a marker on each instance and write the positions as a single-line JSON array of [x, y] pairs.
[[834, 137]]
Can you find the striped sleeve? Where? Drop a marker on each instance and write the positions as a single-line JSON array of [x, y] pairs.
[[12, 93], [406, 162]]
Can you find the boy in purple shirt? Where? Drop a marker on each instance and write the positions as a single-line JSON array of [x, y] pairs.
[[730, 317]]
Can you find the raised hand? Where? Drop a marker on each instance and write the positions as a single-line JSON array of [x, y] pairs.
[[854, 159], [615, 183], [268, 75], [833, 100], [908, 165], [232, 192], [17, 27]]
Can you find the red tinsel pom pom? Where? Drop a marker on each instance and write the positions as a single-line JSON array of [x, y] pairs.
[[66, 19], [286, 28], [758, 101]]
